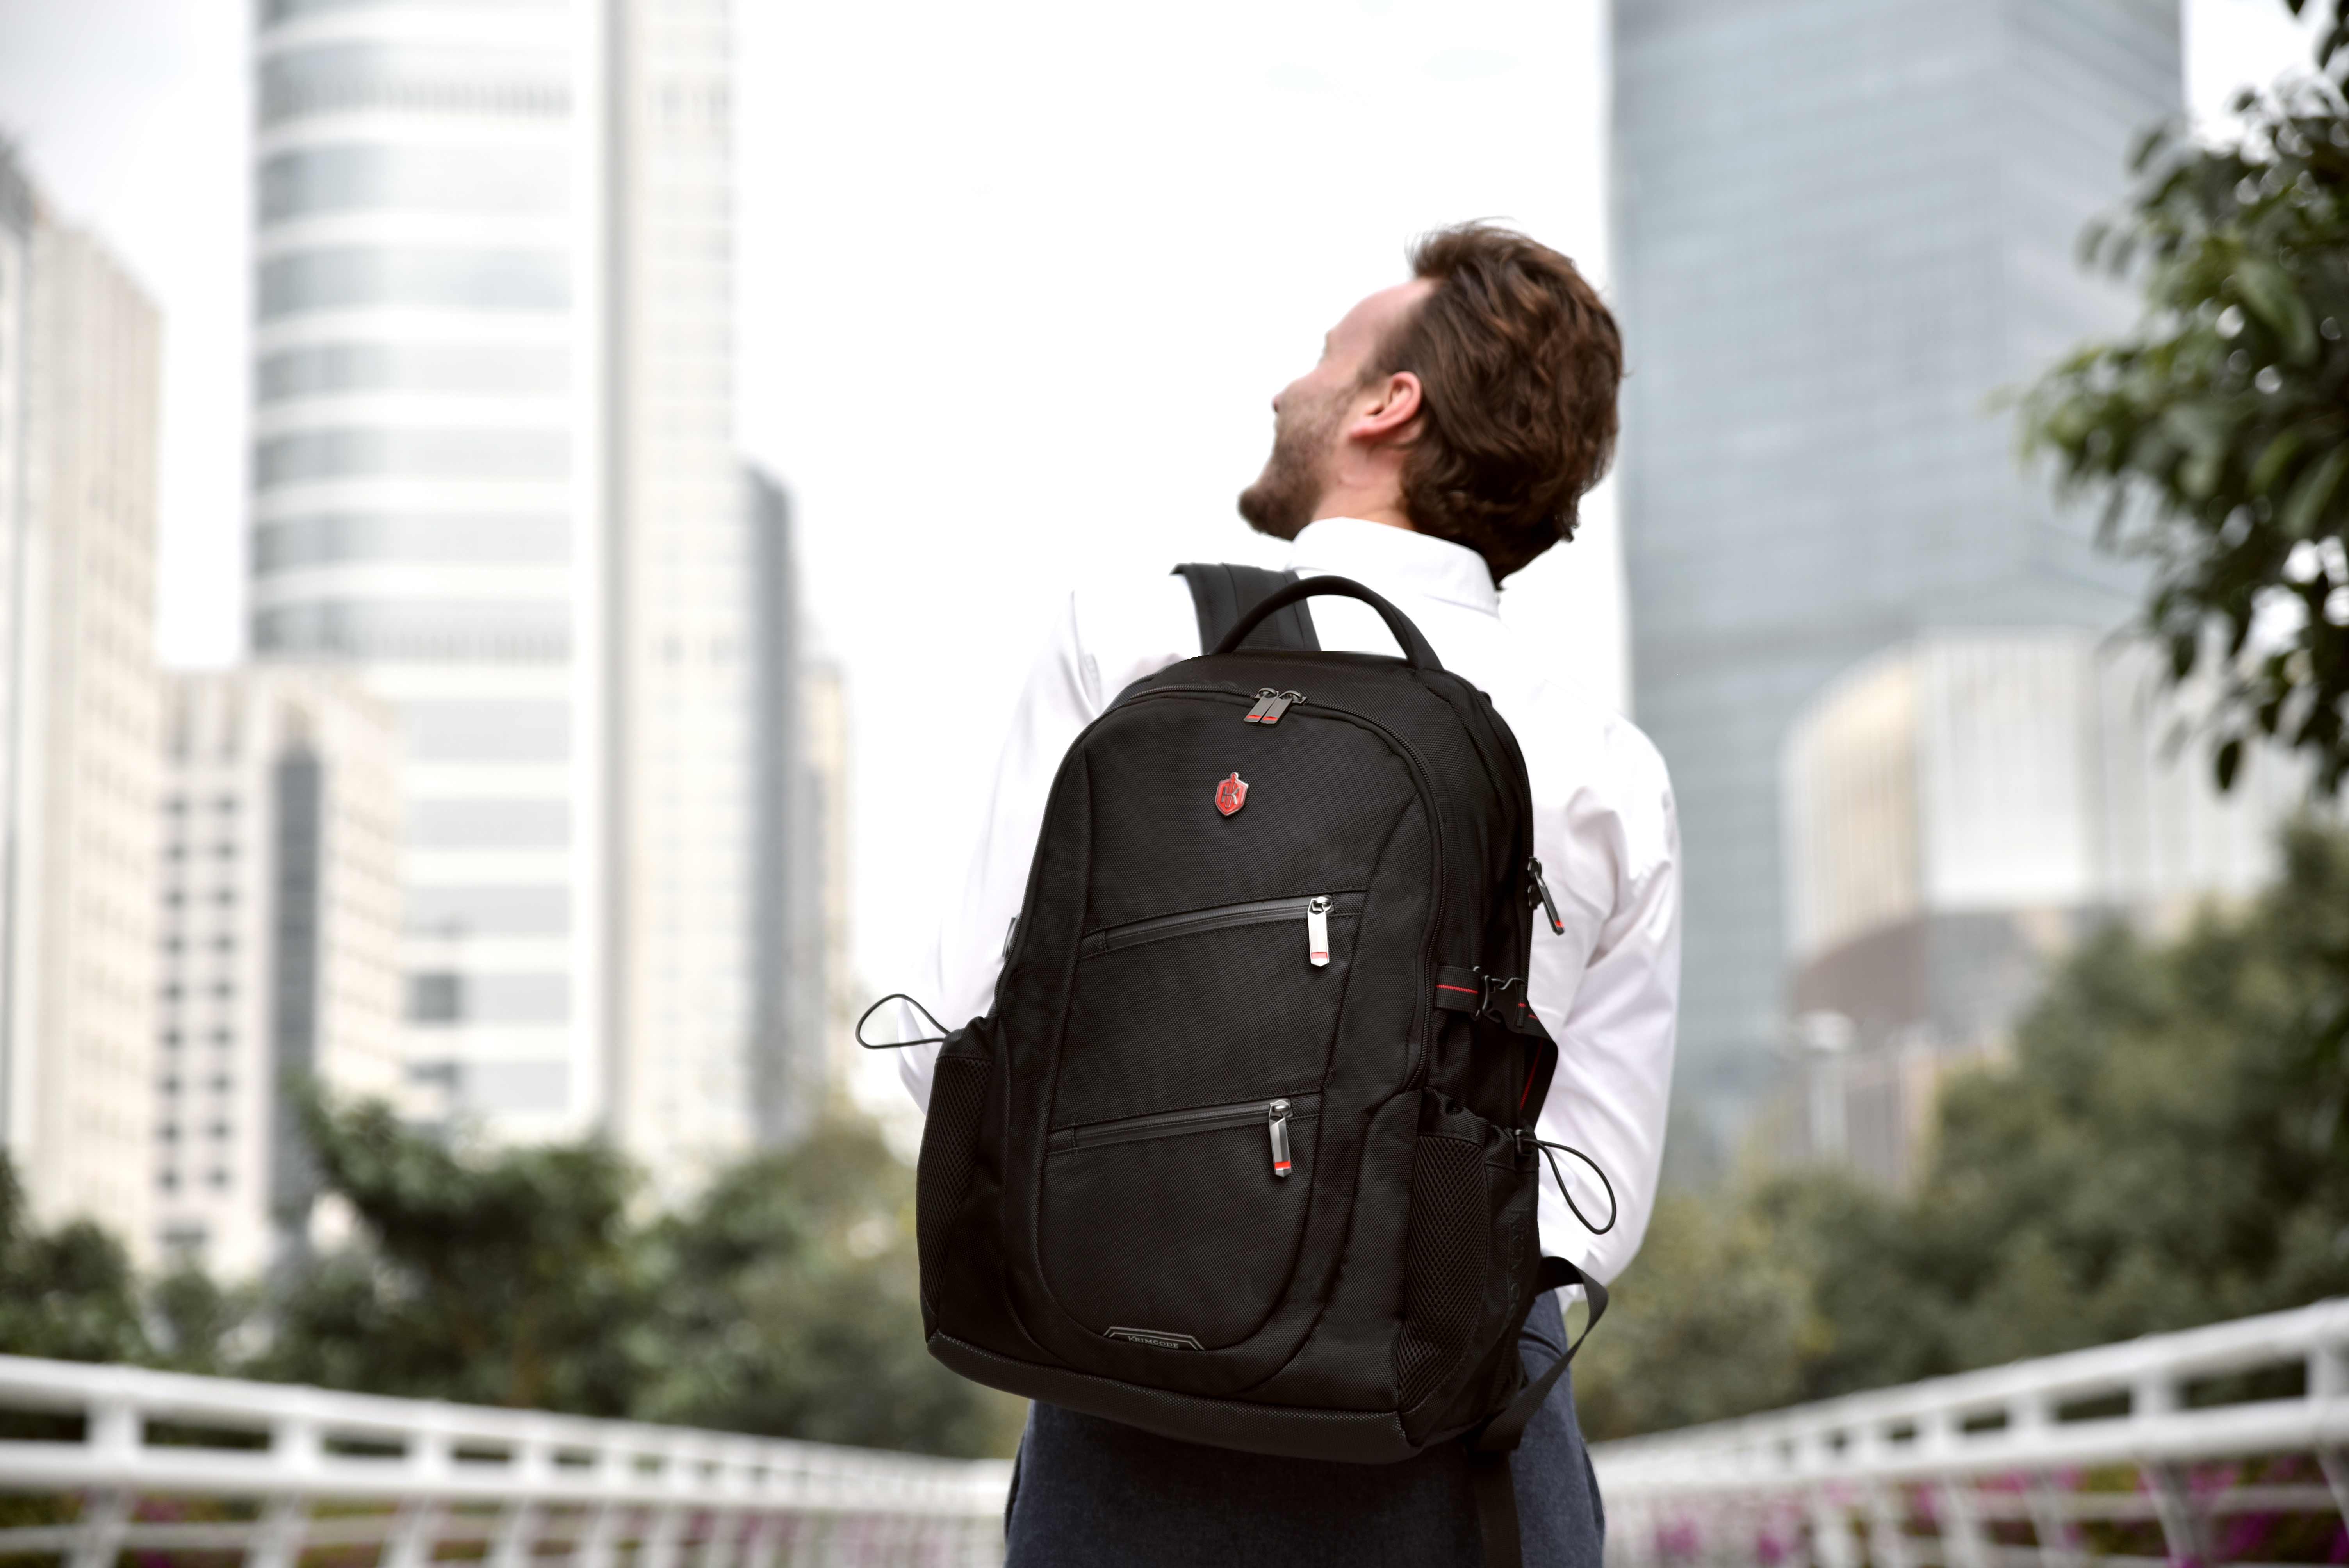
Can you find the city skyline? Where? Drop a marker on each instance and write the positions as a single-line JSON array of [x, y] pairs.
[[1335, 241]]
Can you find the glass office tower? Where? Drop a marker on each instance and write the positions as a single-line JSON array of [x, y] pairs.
[[1842, 226], [494, 473]]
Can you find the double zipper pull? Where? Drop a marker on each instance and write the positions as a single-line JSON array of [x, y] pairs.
[[1278, 706], [1277, 1114], [1317, 932], [1265, 697], [1540, 893]]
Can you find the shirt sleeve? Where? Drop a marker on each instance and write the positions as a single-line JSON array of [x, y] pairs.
[[1615, 1037], [1127, 629], [1061, 697]]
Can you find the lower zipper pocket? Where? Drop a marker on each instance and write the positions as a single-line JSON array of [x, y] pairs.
[[1178, 1229]]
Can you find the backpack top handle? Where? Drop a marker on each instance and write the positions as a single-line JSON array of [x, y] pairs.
[[1415, 650]]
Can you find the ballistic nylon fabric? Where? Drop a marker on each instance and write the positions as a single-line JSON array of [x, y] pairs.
[[1189, 1234]]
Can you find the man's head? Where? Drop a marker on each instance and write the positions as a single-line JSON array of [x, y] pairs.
[[1476, 403]]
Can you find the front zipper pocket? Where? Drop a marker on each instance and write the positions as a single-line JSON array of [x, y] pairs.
[[1178, 1229], [1275, 1114], [1222, 917], [1224, 1004]]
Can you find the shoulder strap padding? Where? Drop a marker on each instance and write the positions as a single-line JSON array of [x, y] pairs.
[[1221, 594]]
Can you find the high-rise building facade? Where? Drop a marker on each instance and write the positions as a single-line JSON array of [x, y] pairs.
[[79, 351], [494, 477], [1961, 809], [1841, 227], [279, 922]]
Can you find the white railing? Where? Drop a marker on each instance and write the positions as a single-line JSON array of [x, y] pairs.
[[100, 1460], [2225, 1444]]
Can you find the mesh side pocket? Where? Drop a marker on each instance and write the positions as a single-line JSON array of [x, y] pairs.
[[1445, 1262], [949, 1145]]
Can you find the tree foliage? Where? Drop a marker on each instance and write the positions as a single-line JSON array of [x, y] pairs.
[[2217, 433], [505, 1277], [781, 1302], [2165, 1147], [69, 1294]]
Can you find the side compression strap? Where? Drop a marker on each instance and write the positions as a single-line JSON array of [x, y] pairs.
[[1221, 594], [1489, 1449]]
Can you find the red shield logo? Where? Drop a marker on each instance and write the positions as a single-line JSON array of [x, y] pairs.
[[1231, 795]]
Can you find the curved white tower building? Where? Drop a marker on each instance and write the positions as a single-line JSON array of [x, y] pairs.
[[493, 474]]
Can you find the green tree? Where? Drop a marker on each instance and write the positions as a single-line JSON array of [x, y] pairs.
[[2218, 432], [1715, 1320], [68, 1293], [505, 1277], [2167, 1147], [786, 1306]]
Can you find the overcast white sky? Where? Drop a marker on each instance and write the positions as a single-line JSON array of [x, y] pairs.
[[1016, 284]]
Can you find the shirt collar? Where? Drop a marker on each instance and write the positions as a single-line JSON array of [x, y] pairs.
[[1374, 552]]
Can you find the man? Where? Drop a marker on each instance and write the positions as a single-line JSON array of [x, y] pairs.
[[1444, 441]]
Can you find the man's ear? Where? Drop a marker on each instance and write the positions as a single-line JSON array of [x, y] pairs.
[[1393, 406]]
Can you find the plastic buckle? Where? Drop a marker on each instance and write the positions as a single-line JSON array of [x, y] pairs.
[[1494, 1003]]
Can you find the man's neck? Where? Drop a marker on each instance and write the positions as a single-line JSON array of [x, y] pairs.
[[1363, 509]]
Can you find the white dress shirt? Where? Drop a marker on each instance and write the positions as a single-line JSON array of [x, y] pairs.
[[1603, 828]]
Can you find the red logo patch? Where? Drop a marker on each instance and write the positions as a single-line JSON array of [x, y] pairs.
[[1231, 795]]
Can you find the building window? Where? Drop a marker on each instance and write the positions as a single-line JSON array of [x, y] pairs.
[[357, 277], [502, 370], [490, 911], [488, 998], [332, 538], [436, 998], [487, 731], [342, 78], [463, 454], [518, 632], [365, 177], [461, 825]]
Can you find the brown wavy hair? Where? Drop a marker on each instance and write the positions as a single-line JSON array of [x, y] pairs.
[[1517, 362]]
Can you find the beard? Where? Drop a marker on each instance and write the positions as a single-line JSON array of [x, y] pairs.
[[1283, 499]]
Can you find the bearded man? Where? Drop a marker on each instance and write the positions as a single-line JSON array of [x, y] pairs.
[[1444, 439]]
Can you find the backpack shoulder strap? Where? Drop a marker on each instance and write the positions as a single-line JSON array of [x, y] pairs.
[[1222, 593]]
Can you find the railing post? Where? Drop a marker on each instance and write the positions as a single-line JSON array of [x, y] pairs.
[[518, 1523], [1831, 1544], [113, 1436], [592, 1548], [418, 1525], [294, 1449], [277, 1540], [1961, 1534], [1888, 1541], [2181, 1522], [105, 1516], [2059, 1545]]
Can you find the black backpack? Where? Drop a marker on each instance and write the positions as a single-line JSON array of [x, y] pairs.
[[1243, 1153]]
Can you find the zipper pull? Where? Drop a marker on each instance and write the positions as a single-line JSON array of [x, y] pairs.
[[1277, 1115], [1540, 893], [1009, 932], [1264, 697], [1280, 706], [1317, 932]]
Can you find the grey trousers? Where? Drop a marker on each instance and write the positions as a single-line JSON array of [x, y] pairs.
[[1088, 1492]]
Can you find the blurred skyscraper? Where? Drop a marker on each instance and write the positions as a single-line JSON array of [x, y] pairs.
[[280, 923], [1959, 811], [1841, 226], [494, 474], [79, 362]]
